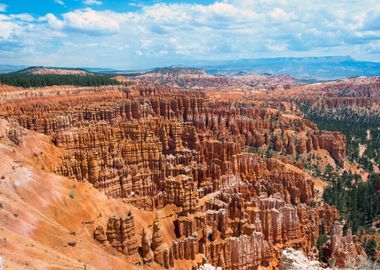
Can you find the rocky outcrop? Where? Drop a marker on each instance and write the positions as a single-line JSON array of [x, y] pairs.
[[146, 251], [181, 191], [163, 255], [335, 144], [100, 235], [296, 260], [346, 251], [120, 234], [266, 221]]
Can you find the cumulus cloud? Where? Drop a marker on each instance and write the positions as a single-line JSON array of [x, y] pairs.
[[14, 26], [93, 21], [172, 33], [52, 21], [23, 17], [8, 29], [86, 21], [92, 2]]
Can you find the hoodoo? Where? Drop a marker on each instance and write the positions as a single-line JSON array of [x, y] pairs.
[[205, 162]]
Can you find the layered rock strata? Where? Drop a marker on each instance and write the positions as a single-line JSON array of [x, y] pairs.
[[155, 148], [346, 250], [120, 234]]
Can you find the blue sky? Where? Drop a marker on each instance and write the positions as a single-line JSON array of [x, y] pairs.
[[141, 34]]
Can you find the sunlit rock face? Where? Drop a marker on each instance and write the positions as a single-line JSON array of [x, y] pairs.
[[295, 260], [346, 251], [180, 162]]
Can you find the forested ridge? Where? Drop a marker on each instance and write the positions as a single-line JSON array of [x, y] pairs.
[[356, 127], [356, 199], [27, 80]]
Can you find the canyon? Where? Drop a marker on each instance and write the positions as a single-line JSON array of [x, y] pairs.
[[172, 170]]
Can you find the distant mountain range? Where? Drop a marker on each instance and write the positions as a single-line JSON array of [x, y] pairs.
[[10, 68], [318, 68]]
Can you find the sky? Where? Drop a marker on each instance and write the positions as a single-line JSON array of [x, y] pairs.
[[143, 34]]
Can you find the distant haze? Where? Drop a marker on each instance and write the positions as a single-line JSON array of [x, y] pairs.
[[323, 68], [319, 68]]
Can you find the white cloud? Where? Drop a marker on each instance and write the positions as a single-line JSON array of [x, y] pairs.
[[172, 33], [3, 7], [275, 46], [280, 15], [92, 2], [23, 17], [373, 47], [86, 21], [371, 21], [52, 21], [106, 22], [8, 29], [14, 25], [60, 2]]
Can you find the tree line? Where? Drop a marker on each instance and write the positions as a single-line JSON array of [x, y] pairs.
[[25, 80], [355, 126], [357, 201]]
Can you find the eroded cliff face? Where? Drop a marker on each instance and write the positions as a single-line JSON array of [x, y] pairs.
[[130, 146], [350, 97], [346, 251], [192, 78], [157, 149]]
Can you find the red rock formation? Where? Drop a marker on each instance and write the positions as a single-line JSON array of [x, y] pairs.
[[100, 236], [162, 254], [120, 234], [156, 147], [346, 251], [182, 191], [146, 251]]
